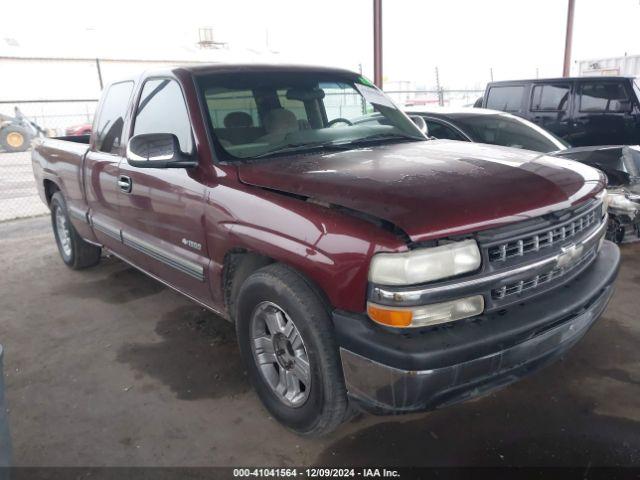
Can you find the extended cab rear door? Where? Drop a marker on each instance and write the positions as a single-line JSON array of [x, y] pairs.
[[162, 208], [101, 165]]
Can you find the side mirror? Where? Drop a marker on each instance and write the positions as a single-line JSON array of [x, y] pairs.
[[420, 123], [157, 150]]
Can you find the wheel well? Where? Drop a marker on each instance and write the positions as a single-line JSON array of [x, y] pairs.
[[239, 264], [49, 189]]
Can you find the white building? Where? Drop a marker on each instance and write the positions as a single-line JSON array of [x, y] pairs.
[[628, 65], [57, 85]]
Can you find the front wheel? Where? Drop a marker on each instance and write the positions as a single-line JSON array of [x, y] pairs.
[[286, 340], [75, 252]]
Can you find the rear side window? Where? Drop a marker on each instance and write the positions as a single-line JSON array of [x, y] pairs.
[[507, 99], [603, 97], [550, 98], [162, 110], [111, 120]]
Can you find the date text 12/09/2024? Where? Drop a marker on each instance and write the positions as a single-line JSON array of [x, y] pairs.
[[315, 473]]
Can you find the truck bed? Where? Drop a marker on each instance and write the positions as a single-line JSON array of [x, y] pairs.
[[59, 161]]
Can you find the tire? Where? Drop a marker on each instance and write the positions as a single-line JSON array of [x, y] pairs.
[[322, 405], [75, 252], [15, 139]]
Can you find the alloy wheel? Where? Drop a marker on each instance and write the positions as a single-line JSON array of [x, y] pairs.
[[280, 354]]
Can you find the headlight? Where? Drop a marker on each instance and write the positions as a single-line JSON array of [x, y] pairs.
[[425, 264]]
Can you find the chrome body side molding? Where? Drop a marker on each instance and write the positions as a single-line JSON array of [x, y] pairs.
[[168, 258], [107, 229]]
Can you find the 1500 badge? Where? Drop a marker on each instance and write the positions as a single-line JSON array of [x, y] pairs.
[[192, 244]]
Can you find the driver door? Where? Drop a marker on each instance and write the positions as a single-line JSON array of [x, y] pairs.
[[162, 208]]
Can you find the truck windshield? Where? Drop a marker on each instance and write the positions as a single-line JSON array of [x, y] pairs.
[[262, 114]]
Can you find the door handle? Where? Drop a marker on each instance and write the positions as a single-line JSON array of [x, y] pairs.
[[125, 183]]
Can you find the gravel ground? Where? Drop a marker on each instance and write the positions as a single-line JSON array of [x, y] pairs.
[[108, 367]]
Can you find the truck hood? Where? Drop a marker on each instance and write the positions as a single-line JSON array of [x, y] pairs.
[[432, 189]]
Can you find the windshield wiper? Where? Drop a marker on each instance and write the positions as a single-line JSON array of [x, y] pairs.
[[382, 137], [301, 147], [339, 146]]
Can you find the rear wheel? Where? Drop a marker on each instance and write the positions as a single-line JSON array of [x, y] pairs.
[[14, 138], [286, 340], [75, 252]]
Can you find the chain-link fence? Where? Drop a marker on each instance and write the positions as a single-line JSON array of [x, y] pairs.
[[18, 194], [21, 121]]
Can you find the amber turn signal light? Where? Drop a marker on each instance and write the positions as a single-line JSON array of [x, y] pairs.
[[393, 318]]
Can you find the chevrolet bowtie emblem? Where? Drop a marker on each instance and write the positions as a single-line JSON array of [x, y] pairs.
[[569, 255]]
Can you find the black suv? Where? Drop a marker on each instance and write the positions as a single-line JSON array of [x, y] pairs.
[[582, 111]]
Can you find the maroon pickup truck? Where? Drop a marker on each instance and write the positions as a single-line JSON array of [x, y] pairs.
[[362, 264]]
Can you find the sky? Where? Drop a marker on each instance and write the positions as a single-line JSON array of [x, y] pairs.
[[464, 39]]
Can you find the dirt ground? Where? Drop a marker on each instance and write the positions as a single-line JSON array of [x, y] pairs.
[[108, 367]]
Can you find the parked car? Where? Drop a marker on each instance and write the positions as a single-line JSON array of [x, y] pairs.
[[621, 164], [480, 126], [499, 128], [78, 130], [582, 111], [362, 265]]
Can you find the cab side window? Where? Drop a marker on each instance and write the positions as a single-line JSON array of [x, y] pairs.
[[162, 110], [111, 120], [507, 98], [603, 97], [550, 98]]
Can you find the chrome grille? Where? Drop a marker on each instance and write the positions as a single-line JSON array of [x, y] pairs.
[[531, 243], [540, 279]]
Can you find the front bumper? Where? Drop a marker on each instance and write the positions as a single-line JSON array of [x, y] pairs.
[[391, 372]]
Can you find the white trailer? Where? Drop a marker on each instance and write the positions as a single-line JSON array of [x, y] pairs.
[[628, 66]]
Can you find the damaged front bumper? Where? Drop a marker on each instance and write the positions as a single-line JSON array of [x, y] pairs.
[[390, 372]]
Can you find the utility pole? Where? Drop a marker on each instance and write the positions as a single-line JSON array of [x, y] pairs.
[[491, 73], [377, 43], [99, 70], [568, 38], [440, 95]]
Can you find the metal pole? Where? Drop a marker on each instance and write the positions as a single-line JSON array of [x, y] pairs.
[[99, 73], [377, 42], [568, 38], [440, 95]]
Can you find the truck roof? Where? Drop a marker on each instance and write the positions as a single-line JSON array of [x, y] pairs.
[[228, 67], [563, 79], [198, 69]]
